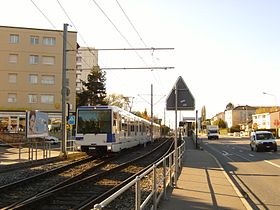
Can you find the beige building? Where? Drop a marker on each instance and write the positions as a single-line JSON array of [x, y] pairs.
[[239, 115], [31, 72], [86, 59]]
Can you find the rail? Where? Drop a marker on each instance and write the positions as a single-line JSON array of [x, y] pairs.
[[160, 185]]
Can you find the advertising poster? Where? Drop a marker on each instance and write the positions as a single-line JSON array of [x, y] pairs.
[[36, 124]]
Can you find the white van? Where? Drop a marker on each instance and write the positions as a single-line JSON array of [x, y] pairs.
[[262, 140]]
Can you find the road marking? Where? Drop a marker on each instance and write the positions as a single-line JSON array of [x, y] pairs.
[[225, 153], [239, 194], [267, 161], [251, 155], [240, 150]]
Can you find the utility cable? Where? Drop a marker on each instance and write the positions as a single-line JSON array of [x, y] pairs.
[[118, 31], [72, 23]]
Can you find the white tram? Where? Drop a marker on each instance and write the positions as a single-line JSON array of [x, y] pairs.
[[111, 129]]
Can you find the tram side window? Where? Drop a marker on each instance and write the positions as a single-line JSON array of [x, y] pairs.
[[136, 127], [120, 125], [124, 125], [128, 127], [132, 127]]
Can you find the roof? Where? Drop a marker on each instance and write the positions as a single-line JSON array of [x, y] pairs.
[[41, 29]]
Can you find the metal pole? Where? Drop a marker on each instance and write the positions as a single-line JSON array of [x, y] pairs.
[[152, 117], [176, 152], [63, 152], [196, 115]]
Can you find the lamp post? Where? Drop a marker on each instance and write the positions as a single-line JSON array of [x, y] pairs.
[[276, 129]]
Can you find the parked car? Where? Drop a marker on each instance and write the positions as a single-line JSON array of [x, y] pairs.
[[52, 139], [262, 140]]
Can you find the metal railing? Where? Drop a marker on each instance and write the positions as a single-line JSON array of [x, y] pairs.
[[162, 179], [33, 150]]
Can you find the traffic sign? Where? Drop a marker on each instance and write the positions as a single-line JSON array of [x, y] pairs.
[[185, 99], [71, 120]]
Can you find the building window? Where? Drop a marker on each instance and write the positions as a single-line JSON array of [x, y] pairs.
[[33, 78], [48, 79], [13, 58], [48, 60], [33, 59], [12, 78], [49, 41], [34, 40], [47, 99], [14, 38], [78, 59], [32, 98], [12, 98]]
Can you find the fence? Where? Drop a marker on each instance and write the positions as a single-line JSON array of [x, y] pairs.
[[33, 150], [162, 179]]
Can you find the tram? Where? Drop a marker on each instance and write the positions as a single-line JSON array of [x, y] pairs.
[[102, 129]]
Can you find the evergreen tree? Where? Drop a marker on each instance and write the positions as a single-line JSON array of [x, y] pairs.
[[94, 91], [229, 106]]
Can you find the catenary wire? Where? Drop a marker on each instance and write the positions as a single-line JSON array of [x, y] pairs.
[[72, 23], [72, 47], [121, 34]]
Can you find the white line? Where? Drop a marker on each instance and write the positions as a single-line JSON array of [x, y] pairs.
[[267, 161], [243, 200], [251, 155]]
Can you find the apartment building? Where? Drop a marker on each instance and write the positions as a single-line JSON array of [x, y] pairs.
[[86, 59], [239, 115], [31, 73]]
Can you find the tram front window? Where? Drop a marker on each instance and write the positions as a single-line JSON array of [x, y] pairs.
[[94, 121]]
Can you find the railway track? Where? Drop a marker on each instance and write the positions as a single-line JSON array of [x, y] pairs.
[[20, 171], [21, 190], [84, 192]]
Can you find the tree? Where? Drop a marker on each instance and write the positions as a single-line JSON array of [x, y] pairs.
[[94, 91], [203, 118], [118, 100], [143, 114], [229, 106], [221, 123]]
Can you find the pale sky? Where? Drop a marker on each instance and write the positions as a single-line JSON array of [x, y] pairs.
[[225, 50]]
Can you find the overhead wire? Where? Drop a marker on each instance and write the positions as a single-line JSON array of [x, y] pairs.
[[120, 33], [143, 42], [73, 24], [46, 17], [132, 25], [43, 14]]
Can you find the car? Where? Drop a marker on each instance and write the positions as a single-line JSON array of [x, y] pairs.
[[52, 139], [262, 140]]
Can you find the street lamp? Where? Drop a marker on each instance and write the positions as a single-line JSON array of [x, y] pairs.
[[271, 95]]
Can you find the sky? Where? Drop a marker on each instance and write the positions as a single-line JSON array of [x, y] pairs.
[[225, 50]]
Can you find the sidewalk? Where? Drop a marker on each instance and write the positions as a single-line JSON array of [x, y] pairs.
[[202, 184]]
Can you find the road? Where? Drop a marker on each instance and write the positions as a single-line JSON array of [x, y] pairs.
[[257, 174]]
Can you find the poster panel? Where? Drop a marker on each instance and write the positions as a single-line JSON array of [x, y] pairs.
[[36, 124]]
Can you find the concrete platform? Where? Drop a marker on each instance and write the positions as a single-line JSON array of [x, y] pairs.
[[203, 184], [10, 155]]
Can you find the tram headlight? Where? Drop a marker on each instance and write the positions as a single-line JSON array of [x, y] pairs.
[[109, 147]]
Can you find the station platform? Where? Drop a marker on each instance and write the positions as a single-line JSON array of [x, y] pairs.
[[203, 184]]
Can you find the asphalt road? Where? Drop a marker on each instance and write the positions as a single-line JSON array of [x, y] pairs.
[[257, 174]]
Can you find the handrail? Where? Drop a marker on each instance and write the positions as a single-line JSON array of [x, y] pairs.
[[168, 165]]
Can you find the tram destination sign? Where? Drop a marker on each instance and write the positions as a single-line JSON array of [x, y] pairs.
[[185, 99]]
